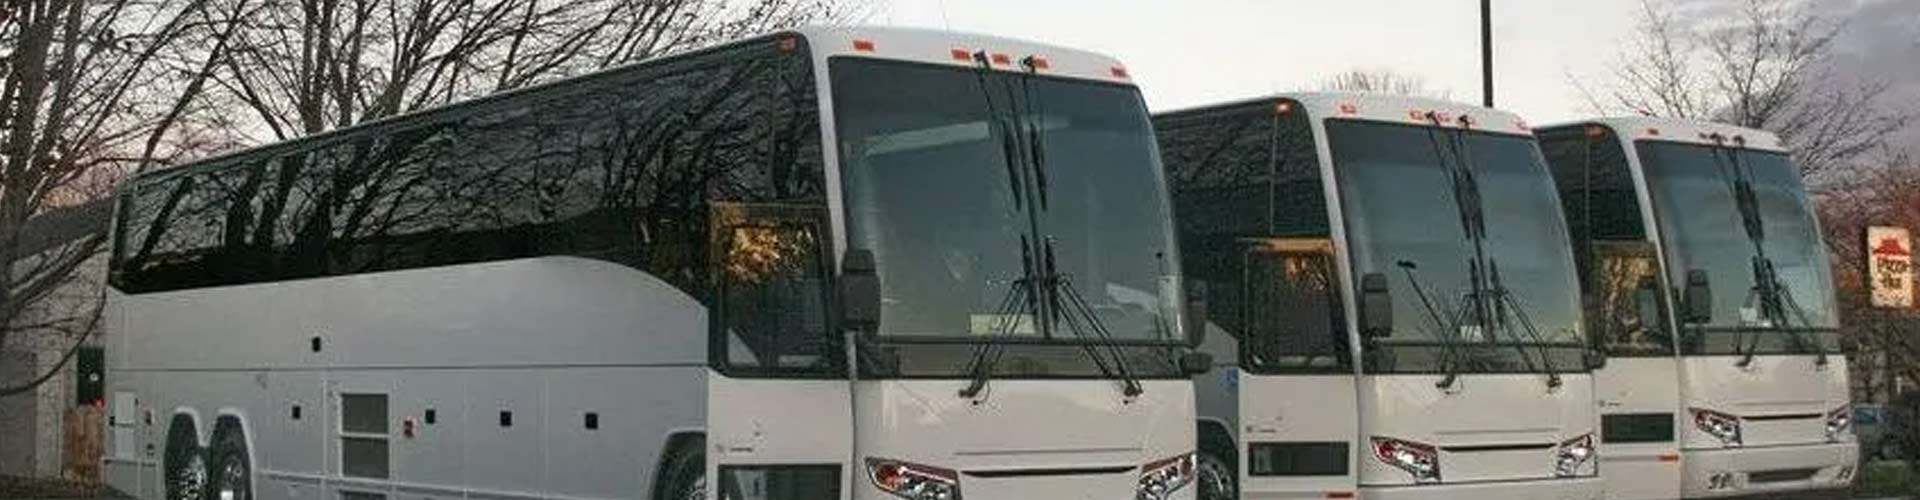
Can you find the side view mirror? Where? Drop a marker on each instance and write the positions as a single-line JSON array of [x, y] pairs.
[[1196, 312], [1376, 306], [1697, 300], [1196, 363], [859, 290]]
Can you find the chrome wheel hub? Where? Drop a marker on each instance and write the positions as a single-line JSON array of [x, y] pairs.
[[190, 481], [232, 477]]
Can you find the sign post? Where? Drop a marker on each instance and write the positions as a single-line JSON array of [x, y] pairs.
[[1890, 267]]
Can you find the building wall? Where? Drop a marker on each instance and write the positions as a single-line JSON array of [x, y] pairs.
[[32, 435]]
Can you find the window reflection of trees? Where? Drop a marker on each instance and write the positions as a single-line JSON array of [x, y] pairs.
[[1620, 274], [1251, 211], [1621, 295], [620, 166]]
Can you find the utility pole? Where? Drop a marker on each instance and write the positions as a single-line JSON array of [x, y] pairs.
[[1486, 53]]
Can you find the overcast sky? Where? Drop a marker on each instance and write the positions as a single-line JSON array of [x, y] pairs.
[[1190, 52]]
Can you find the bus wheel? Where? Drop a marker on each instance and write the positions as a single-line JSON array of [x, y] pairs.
[[186, 463], [687, 476], [1216, 478], [233, 473]]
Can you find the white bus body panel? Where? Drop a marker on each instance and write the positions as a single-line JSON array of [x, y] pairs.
[[1630, 385], [546, 339], [1091, 438], [1791, 395], [1298, 408], [1479, 411]]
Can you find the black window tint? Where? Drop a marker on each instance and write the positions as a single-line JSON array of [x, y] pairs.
[[1297, 459], [620, 166], [1636, 428], [1251, 212], [1618, 266]]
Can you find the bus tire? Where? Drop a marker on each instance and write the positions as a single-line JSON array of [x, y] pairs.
[[232, 471], [686, 473], [1217, 475], [185, 464], [1217, 478]]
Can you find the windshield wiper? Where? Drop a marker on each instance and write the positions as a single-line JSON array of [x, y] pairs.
[[1021, 300], [1082, 320], [1444, 329], [1773, 297], [1023, 291], [1490, 301], [1035, 129]]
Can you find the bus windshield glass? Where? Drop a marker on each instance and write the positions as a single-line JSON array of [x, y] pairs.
[[1404, 221], [1693, 194], [932, 159]]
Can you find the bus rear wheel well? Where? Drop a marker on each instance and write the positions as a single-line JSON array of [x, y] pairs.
[[677, 445]]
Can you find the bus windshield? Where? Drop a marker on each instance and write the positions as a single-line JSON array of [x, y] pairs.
[[1403, 221], [1702, 229], [933, 189]]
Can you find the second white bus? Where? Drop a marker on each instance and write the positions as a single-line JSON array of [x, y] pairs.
[[1396, 315]]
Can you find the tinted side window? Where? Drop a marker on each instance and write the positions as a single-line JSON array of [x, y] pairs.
[[1618, 268], [1251, 212], [620, 167]]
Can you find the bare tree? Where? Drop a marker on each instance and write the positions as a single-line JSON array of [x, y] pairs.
[[88, 91], [1380, 82], [306, 66], [1754, 63], [1884, 193]]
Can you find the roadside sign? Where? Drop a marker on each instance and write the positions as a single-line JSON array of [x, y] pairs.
[[1890, 266]]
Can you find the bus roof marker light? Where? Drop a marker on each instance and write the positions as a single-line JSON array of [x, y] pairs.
[[1002, 59], [962, 55], [1653, 131], [1347, 108], [863, 45], [1283, 107], [1035, 63], [1118, 72], [788, 44], [1596, 131]]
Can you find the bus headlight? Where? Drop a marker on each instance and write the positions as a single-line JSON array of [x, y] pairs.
[[913, 481], [1721, 426], [1573, 455], [1161, 478], [1838, 422], [1420, 460]]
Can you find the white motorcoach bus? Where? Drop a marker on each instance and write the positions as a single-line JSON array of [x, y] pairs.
[[1394, 314], [1704, 230], [812, 265]]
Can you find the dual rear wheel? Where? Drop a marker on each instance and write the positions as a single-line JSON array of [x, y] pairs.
[[221, 471]]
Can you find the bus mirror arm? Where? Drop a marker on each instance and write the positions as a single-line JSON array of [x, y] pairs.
[[1196, 363], [1376, 306], [859, 291], [1196, 313], [1697, 301]]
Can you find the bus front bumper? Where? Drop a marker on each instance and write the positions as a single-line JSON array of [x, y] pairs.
[[1584, 488], [1740, 472]]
